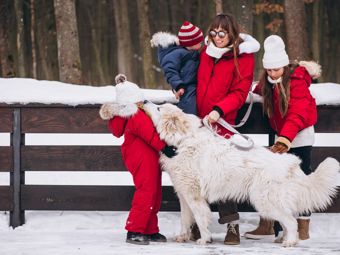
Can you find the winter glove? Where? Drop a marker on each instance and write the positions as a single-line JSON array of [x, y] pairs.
[[213, 116], [169, 151], [281, 145]]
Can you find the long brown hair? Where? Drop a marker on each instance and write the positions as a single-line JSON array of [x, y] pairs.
[[284, 91], [229, 24]]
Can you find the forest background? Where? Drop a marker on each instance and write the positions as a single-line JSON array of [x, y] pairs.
[[90, 41]]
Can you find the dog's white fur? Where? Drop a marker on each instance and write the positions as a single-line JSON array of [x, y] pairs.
[[208, 168]]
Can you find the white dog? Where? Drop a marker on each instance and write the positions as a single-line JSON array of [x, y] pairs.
[[208, 168]]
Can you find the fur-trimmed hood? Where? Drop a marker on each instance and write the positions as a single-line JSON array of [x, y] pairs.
[[164, 40], [312, 67], [109, 110]]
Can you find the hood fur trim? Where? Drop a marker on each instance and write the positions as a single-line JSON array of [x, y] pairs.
[[108, 111], [163, 39], [313, 68]]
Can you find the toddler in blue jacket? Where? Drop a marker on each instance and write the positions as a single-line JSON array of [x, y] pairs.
[[178, 57]]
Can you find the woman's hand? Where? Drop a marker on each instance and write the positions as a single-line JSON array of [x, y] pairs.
[[213, 116]]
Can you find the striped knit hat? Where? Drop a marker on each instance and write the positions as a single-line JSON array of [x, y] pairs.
[[189, 35]]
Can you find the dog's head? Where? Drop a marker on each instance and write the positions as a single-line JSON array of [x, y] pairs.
[[172, 124]]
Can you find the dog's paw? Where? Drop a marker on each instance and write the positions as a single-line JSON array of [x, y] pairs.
[[202, 241], [289, 243], [182, 238], [279, 239]]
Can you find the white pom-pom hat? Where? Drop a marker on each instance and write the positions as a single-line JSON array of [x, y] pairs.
[[127, 92], [275, 55]]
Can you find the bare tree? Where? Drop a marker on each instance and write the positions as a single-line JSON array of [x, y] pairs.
[[144, 37], [296, 30], [124, 42], [5, 55], [246, 15], [34, 54], [68, 42], [20, 40], [219, 6]]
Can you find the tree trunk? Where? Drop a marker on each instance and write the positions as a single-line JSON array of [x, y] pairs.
[[144, 39], [68, 42], [124, 42], [20, 40], [296, 30], [219, 6], [246, 15], [5, 55], [34, 54]]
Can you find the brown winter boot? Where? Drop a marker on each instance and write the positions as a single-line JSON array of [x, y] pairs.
[[303, 228], [263, 230], [195, 232], [233, 235]]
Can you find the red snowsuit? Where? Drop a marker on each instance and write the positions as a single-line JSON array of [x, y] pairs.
[[220, 85], [140, 152], [302, 112]]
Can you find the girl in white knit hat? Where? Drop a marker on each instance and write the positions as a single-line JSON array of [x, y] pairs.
[[292, 114]]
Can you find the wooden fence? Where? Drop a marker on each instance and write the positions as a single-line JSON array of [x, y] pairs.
[[18, 158]]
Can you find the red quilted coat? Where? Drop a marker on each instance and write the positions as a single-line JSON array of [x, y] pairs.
[[140, 152], [302, 111], [220, 84]]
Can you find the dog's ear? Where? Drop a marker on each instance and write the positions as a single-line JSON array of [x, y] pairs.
[[175, 123]]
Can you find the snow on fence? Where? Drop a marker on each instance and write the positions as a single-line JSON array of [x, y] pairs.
[[19, 158]]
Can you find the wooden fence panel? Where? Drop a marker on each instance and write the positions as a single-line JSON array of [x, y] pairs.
[[103, 198], [6, 120], [328, 119], [62, 120], [257, 123], [319, 154], [6, 159], [71, 158], [6, 198]]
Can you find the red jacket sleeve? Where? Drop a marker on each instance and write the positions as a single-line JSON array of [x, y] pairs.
[[143, 127], [241, 85], [298, 113], [116, 126]]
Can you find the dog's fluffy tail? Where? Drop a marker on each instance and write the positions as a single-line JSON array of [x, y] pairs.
[[320, 187]]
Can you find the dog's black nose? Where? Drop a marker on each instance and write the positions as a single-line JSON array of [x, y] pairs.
[[145, 101]]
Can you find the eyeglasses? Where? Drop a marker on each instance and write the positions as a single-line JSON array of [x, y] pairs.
[[221, 34]]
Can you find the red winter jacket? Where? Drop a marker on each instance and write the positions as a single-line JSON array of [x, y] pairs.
[[220, 85], [302, 111], [140, 136]]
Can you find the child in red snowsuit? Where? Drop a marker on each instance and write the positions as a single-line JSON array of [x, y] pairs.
[[140, 152]]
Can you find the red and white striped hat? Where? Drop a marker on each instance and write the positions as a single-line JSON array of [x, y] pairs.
[[189, 35]]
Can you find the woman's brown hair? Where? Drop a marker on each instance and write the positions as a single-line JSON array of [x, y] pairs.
[[230, 25], [284, 91]]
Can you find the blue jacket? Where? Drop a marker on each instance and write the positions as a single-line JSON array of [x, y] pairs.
[[179, 65]]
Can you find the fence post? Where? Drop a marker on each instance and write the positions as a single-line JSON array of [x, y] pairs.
[[17, 216]]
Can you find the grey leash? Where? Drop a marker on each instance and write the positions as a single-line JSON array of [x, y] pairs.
[[231, 128]]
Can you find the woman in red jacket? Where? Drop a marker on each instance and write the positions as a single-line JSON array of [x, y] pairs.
[[292, 113], [224, 79], [140, 152]]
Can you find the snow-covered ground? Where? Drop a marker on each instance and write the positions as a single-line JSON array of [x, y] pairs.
[[82, 233]]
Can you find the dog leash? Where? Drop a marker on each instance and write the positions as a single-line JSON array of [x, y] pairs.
[[226, 125], [247, 114]]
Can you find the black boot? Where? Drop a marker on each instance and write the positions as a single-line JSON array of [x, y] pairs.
[[137, 238], [157, 237]]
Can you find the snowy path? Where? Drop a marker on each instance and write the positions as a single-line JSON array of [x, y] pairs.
[[89, 233]]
